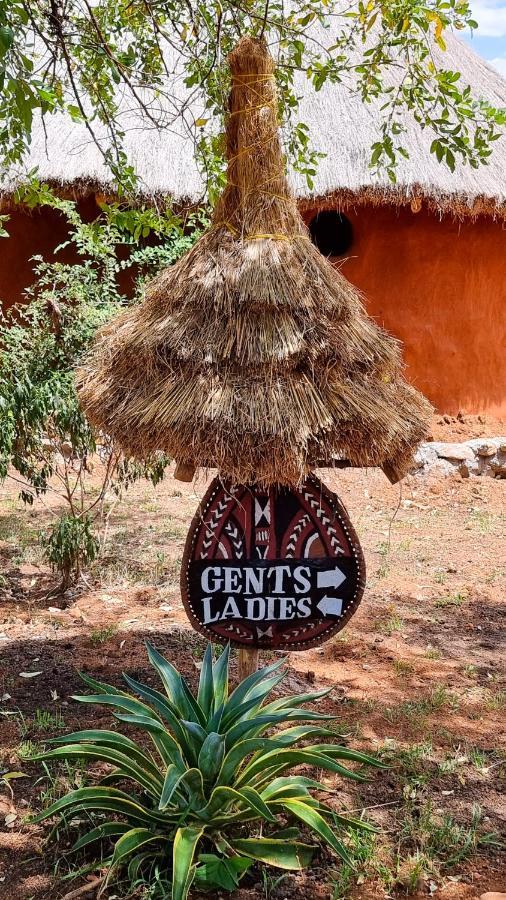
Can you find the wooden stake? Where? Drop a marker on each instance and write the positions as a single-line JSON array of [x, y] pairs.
[[184, 471], [247, 662]]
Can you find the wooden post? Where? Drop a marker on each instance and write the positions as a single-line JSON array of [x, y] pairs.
[[247, 661], [184, 471]]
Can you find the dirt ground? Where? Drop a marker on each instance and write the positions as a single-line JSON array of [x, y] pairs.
[[418, 675]]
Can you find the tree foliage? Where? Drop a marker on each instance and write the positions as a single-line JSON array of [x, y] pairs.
[[81, 57], [46, 443]]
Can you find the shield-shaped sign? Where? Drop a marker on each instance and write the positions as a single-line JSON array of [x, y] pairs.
[[275, 568]]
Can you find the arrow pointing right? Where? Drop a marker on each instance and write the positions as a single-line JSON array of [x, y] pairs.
[[330, 606], [331, 578]]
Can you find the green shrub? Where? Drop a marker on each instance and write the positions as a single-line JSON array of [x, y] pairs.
[[70, 545], [215, 793]]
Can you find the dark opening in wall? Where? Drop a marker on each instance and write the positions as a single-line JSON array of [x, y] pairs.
[[331, 232]]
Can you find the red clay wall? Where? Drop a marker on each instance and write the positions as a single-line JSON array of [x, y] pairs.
[[33, 232], [439, 286]]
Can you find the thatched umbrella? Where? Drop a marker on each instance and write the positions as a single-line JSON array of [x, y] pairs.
[[252, 354]]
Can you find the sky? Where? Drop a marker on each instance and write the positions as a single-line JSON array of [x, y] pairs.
[[490, 38]]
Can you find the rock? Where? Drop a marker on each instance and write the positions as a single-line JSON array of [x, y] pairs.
[[464, 469], [425, 456], [499, 469], [493, 895], [447, 419], [66, 449], [488, 449], [456, 452], [502, 446]]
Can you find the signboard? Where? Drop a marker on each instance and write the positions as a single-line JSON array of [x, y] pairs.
[[272, 568]]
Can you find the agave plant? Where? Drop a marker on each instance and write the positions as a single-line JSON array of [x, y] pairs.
[[213, 794]]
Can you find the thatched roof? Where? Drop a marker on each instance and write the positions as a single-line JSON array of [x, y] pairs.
[[341, 126], [252, 354]]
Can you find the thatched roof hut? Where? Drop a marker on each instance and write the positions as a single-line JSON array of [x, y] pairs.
[[341, 126], [252, 354]]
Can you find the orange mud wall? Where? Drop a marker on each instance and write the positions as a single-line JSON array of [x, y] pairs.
[[439, 286]]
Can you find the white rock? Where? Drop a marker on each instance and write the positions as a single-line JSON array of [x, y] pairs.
[[457, 452], [486, 450]]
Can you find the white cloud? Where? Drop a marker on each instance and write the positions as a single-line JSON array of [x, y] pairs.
[[491, 17], [499, 63]]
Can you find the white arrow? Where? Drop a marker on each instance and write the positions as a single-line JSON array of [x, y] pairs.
[[330, 606], [331, 578]]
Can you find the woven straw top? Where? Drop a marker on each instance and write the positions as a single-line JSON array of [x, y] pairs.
[[252, 354]]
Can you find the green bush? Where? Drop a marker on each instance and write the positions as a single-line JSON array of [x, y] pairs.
[[70, 545], [46, 441], [215, 793]]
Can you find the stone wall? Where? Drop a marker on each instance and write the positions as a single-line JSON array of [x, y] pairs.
[[480, 456]]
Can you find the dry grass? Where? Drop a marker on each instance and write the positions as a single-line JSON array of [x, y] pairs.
[[252, 354]]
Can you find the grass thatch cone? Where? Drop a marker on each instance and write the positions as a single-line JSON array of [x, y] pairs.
[[253, 354]]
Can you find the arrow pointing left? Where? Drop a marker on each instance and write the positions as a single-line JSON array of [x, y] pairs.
[[330, 606]]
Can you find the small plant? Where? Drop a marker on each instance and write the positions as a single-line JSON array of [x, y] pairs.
[[456, 599], [216, 792], [102, 635], [70, 545], [483, 521], [363, 855], [403, 668], [29, 750], [470, 671], [45, 720], [270, 884], [441, 838], [159, 567], [496, 700], [392, 624], [432, 652]]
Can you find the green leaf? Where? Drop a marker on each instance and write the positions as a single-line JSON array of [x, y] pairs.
[[294, 702], [150, 780], [284, 759], [220, 677], [211, 755], [317, 823], [205, 696], [254, 727], [103, 799], [132, 840], [335, 750], [243, 690], [297, 782], [254, 699], [166, 710], [282, 854], [185, 843], [223, 797], [167, 746], [193, 779], [240, 752], [172, 779], [178, 691], [111, 739], [220, 872], [107, 829]]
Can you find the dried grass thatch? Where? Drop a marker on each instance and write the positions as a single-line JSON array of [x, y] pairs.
[[252, 354], [342, 127]]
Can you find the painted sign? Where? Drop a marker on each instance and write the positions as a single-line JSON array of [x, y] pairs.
[[271, 568]]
